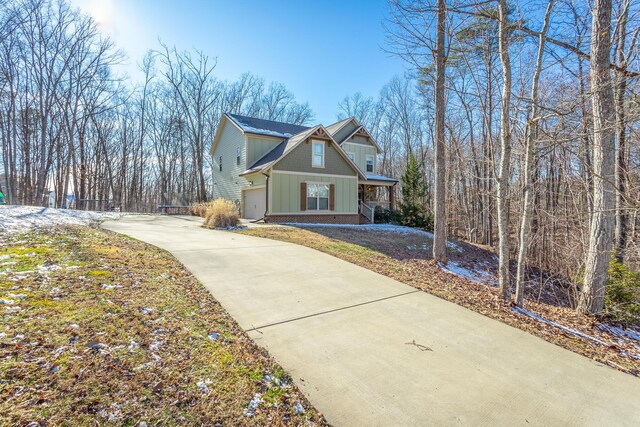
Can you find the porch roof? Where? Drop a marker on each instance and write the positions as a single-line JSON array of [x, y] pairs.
[[380, 180]]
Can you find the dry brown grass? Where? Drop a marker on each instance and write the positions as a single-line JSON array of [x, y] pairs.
[[105, 330], [407, 258], [221, 213], [199, 209]]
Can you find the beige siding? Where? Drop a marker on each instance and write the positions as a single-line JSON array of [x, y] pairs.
[[299, 160], [255, 179], [361, 152], [252, 181], [344, 132], [227, 184], [258, 147], [285, 192]]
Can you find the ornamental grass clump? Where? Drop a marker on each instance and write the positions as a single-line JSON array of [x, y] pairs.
[[221, 213], [199, 209]]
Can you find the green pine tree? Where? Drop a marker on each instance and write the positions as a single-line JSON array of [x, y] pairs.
[[413, 208]]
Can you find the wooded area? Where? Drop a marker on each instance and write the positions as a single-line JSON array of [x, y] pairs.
[[524, 124], [542, 125], [69, 123]]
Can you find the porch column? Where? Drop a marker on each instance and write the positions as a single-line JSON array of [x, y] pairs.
[[392, 197]]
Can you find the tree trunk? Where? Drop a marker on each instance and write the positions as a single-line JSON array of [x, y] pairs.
[[529, 163], [621, 128], [601, 232], [439, 202], [505, 156]]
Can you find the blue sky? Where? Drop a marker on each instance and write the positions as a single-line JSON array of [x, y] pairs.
[[320, 50]]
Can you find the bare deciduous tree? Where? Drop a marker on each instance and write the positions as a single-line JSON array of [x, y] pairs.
[[602, 223]]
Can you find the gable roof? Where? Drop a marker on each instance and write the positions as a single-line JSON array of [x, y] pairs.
[[266, 127], [278, 152], [285, 147], [334, 128], [361, 131]]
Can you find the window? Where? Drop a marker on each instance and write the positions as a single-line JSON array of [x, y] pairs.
[[370, 164], [351, 156], [220, 164], [318, 154], [238, 153], [318, 197]]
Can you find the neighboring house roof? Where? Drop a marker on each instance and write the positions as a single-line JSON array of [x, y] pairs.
[[266, 127]]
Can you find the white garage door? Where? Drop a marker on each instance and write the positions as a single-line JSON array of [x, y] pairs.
[[254, 203]]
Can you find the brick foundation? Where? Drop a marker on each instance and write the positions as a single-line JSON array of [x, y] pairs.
[[322, 219]]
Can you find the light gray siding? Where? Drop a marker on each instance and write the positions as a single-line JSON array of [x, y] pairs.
[[228, 184], [299, 160], [258, 147], [360, 152]]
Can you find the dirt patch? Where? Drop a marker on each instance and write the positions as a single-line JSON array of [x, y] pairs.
[[101, 329]]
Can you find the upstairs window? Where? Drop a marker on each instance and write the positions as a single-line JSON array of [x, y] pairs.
[[370, 164], [220, 163], [318, 154], [238, 154], [318, 197]]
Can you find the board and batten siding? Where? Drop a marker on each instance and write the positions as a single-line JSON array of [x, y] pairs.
[[228, 184], [361, 149], [300, 158], [285, 195]]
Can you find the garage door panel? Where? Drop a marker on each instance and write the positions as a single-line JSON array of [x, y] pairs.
[[254, 203]]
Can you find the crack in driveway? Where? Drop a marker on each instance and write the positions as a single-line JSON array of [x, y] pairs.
[[268, 325]]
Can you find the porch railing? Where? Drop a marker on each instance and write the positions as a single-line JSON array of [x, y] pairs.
[[367, 211], [385, 204]]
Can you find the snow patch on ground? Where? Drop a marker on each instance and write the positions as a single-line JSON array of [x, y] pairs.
[[15, 219], [477, 274], [619, 332], [556, 324], [400, 229], [372, 227]]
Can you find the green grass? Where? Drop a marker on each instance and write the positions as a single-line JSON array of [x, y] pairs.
[[103, 329]]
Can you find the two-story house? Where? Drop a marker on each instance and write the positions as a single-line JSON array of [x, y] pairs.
[[288, 173]]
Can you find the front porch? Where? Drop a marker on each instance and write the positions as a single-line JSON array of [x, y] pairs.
[[375, 191]]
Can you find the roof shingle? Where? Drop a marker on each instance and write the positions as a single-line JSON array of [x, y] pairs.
[[266, 127]]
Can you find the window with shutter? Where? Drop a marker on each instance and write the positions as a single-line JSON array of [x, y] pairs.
[[318, 197], [303, 196], [332, 197]]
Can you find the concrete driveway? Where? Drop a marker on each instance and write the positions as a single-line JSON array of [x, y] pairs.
[[368, 350]]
